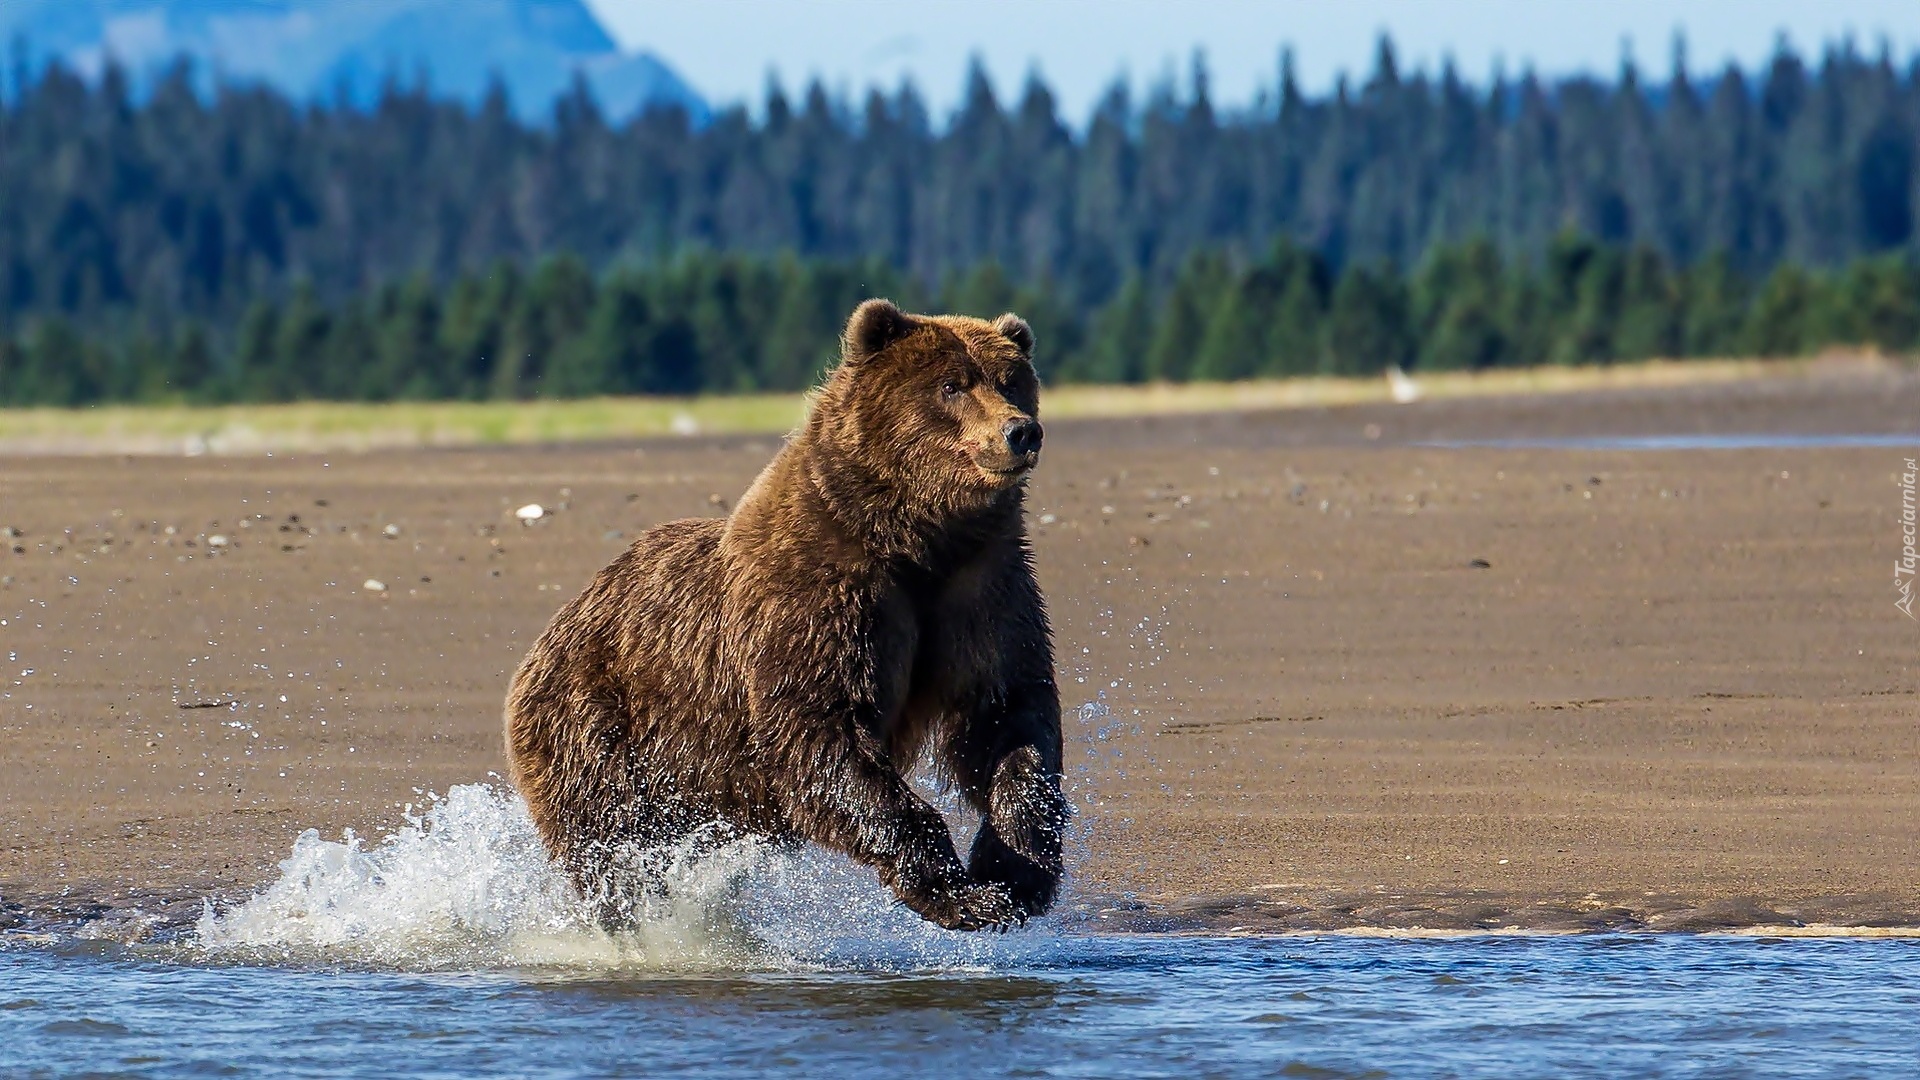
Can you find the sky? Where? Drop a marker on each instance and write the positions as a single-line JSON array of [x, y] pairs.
[[727, 48]]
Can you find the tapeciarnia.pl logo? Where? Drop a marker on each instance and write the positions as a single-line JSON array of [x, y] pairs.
[[1903, 570]]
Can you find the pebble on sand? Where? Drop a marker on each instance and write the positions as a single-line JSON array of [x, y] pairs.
[[531, 512], [374, 585]]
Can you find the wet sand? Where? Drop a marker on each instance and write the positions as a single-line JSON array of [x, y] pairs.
[[1673, 691]]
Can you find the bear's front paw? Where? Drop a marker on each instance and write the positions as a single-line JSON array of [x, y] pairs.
[[1030, 885], [967, 907]]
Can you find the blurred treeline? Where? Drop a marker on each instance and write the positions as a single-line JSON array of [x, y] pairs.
[[723, 323], [168, 225]]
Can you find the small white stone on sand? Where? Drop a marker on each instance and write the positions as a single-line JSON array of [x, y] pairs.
[[531, 512], [390, 531], [217, 541], [374, 585]]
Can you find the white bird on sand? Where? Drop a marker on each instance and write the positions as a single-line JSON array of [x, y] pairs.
[[1404, 390]]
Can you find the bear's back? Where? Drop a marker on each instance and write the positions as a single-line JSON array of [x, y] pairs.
[[662, 602], [646, 629]]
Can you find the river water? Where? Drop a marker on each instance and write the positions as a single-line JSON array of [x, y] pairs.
[[1042, 1003], [450, 948]]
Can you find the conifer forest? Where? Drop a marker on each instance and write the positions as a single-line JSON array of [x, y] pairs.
[[175, 245]]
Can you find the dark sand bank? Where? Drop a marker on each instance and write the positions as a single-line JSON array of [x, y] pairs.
[[1349, 681]]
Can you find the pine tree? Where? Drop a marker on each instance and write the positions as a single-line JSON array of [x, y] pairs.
[[1116, 348], [1183, 318], [1716, 298], [1878, 304], [559, 300], [299, 349], [190, 367], [1777, 325], [726, 300], [1588, 330], [1234, 344], [1058, 329], [406, 343], [1369, 326], [59, 368], [1650, 318], [984, 292], [141, 371], [254, 374], [1296, 331], [351, 356], [12, 371], [801, 340], [472, 331], [672, 360], [523, 343], [1457, 308], [611, 356]]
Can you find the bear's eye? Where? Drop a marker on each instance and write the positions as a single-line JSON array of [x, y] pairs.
[[950, 388]]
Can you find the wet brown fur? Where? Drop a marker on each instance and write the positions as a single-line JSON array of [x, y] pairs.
[[871, 597]]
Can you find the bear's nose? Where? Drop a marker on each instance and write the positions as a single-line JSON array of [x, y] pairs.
[[1023, 436]]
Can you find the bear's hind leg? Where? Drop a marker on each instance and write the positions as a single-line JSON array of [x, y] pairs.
[[601, 886], [631, 863], [588, 793]]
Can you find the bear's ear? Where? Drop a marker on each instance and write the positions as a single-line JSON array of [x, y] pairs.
[[1015, 329], [875, 324]]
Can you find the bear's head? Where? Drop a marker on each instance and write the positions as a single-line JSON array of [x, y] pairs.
[[942, 409]]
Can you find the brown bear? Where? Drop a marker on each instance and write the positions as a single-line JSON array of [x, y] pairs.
[[779, 671]]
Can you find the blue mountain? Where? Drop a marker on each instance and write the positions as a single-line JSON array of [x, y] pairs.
[[317, 48]]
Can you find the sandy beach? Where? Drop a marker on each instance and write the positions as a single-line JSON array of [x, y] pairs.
[[1321, 672]]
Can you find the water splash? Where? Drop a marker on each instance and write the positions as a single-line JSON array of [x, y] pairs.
[[467, 884], [465, 877]]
